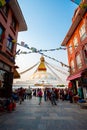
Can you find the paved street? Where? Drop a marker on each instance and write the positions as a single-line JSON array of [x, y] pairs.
[[31, 116]]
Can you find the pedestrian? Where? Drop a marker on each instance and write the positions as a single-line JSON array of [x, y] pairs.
[[45, 95], [70, 96], [39, 94], [29, 93], [48, 94], [34, 92], [53, 97], [20, 94]]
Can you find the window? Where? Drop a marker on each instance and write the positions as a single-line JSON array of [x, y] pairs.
[[2, 33], [10, 44], [5, 66], [72, 66], [85, 53], [2, 72], [70, 48], [75, 41], [82, 32], [78, 61], [5, 9], [13, 24]]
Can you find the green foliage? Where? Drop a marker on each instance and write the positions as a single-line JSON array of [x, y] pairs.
[[62, 85]]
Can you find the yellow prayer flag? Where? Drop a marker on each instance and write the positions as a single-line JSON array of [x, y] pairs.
[[14, 41], [83, 5], [3, 2]]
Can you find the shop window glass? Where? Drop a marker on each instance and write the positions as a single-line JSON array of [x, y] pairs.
[[85, 53], [2, 73], [10, 44], [2, 33], [13, 23]]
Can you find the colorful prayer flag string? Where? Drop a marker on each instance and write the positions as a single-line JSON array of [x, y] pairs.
[[34, 50]]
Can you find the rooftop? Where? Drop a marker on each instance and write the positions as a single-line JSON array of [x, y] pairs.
[[18, 14]]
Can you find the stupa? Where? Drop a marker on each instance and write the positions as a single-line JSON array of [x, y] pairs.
[[41, 75]]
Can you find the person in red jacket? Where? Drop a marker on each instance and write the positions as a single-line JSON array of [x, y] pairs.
[[40, 95]]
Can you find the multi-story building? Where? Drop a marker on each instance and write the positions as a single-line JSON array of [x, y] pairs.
[[76, 44], [11, 22]]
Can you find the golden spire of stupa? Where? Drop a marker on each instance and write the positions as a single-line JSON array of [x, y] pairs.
[[42, 66]]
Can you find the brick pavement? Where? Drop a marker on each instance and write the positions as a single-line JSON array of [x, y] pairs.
[[31, 116]]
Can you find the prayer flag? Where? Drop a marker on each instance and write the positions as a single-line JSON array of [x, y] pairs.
[[76, 1], [3, 2], [25, 45], [22, 43], [7, 1], [9, 39], [13, 41], [83, 6], [33, 49]]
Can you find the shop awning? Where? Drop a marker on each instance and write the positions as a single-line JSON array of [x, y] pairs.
[[74, 76], [16, 74]]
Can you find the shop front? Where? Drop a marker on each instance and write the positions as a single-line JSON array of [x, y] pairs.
[[73, 82], [6, 80], [84, 83], [78, 83]]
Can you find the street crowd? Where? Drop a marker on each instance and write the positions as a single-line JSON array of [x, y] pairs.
[[48, 94], [51, 94]]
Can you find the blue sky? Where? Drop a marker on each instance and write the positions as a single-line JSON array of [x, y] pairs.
[[48, 22]]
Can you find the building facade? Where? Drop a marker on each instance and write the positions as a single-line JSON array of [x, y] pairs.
[[11, 22], [76, 44]]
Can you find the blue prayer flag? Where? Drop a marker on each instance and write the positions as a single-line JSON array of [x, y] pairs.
[[7, 0], [76, 1]]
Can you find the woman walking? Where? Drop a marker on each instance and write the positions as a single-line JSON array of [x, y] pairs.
[[40, 96]]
